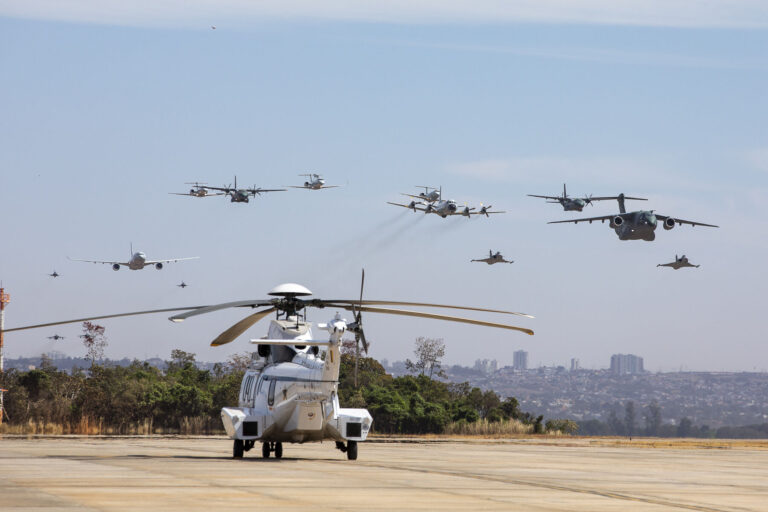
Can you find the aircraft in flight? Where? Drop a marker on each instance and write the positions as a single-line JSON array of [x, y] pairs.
[[242, 195], [314, 182], [55, 274], [639, 225], [679, 263], [182, 285], [198, 190], [445, 208], [430, 194], [55, 337], [138, 261], [577, 204], [494, 258]]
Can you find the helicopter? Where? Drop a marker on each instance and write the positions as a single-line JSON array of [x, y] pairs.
[[289, 393], [494, 258], [315, 182], [679, 263], [198, 190], [242, 195], [576, 203], [639, 225], [137, 261]]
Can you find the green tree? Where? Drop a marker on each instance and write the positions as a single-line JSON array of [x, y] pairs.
[[652, 419], [429, 353]]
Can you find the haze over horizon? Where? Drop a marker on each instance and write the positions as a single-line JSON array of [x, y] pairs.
[[107, 111]]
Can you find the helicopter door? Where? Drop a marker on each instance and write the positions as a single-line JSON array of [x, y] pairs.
[[271, 395]]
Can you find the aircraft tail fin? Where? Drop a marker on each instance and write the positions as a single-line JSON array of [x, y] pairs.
[[564, 193], [622, 209]]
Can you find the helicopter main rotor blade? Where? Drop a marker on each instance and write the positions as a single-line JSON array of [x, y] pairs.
[[168, 310], [436, 317], [338, 303], [208, 309], [240, 327]]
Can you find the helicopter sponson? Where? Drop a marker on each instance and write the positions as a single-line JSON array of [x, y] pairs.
[[290, 392]]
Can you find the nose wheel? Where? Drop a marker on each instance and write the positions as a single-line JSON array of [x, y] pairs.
[[350, 449], [276, 448]]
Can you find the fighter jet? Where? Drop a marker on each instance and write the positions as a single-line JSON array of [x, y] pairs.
[[679, 263], [55, 274], [494, 258], [577, 204], [639, 225], [314, 182], [182, 285]]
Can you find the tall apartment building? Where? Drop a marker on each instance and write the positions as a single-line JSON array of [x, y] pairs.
[[520, 360], [626, 364]]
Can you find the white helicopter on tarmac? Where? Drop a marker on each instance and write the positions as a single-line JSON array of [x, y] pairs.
[[290, 391]]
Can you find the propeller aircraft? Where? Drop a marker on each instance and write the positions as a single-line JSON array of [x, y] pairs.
[[314, 182], [577, 204], [242, 195], [430, 194], [289, 393], [494, 258], [55, 337], [137, 261], [446, 207], [639, 225], [679, 263]]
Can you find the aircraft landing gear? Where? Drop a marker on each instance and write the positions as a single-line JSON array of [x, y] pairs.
[[237, 449], [350, 449], [276, 448]]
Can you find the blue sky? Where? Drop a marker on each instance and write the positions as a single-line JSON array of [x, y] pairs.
[[101, 119]]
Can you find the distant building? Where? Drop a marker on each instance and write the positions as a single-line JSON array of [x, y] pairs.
[[520, 360], [485, 366], [626, 364], [574, 364]]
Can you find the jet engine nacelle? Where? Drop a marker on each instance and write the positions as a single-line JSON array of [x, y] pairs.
[[669, 223], [618, 220], [306, 184], [116, 267], [159, 266]]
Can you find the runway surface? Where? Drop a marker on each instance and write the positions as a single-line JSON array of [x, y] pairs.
[[189, 474]]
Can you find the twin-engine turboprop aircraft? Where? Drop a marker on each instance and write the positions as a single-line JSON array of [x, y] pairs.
[[577, 204], [290, 391]]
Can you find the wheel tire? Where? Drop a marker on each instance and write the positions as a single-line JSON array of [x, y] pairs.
[[352, 450], [265, 450], [278, 450], [237, 449]]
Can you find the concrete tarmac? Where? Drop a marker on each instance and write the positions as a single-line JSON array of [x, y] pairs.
[[191, 474]]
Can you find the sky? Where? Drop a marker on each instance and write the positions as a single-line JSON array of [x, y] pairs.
[[107, 107]]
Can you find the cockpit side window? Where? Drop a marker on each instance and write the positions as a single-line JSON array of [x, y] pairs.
[[271, 395]]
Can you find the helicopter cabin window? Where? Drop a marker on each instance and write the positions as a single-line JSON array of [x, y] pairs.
[[271, 395], [247, 386]]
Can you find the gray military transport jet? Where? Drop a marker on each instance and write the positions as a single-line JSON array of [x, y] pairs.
[[577, 204], [679, 263], [639, 225], [494, 258]]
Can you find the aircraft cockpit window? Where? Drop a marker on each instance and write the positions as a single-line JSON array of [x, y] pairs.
[[271, 395]]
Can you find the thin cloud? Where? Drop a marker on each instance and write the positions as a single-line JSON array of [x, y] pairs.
[[189, 13]]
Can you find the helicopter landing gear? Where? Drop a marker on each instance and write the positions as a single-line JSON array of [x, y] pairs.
[[350, 449], [237, 449], [276, 448]]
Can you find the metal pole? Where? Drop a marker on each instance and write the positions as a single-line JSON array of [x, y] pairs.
[[4, 299]]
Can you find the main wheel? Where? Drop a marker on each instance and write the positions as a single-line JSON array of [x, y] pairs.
[[265, 450], [352, 450], [237, 449], [278, 450]]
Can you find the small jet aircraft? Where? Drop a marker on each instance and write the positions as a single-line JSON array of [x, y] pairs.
[[198, 190], [578, 204], [55, 274], [138, 261], [639, 225], [679, 263], [494, 258], [182, 285], [446, 207], [55, 337], [314, 182], [430, 194], [242, 195], [289, 393]]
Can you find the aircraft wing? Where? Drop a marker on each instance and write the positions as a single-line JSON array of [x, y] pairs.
[[689, 222], [588, 219], [194, 195], [174, 260], [483, 213], [260, 190], [409, 207], [545, 197], [222, 189], [614, 198], [124, 263], [413, 196]]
